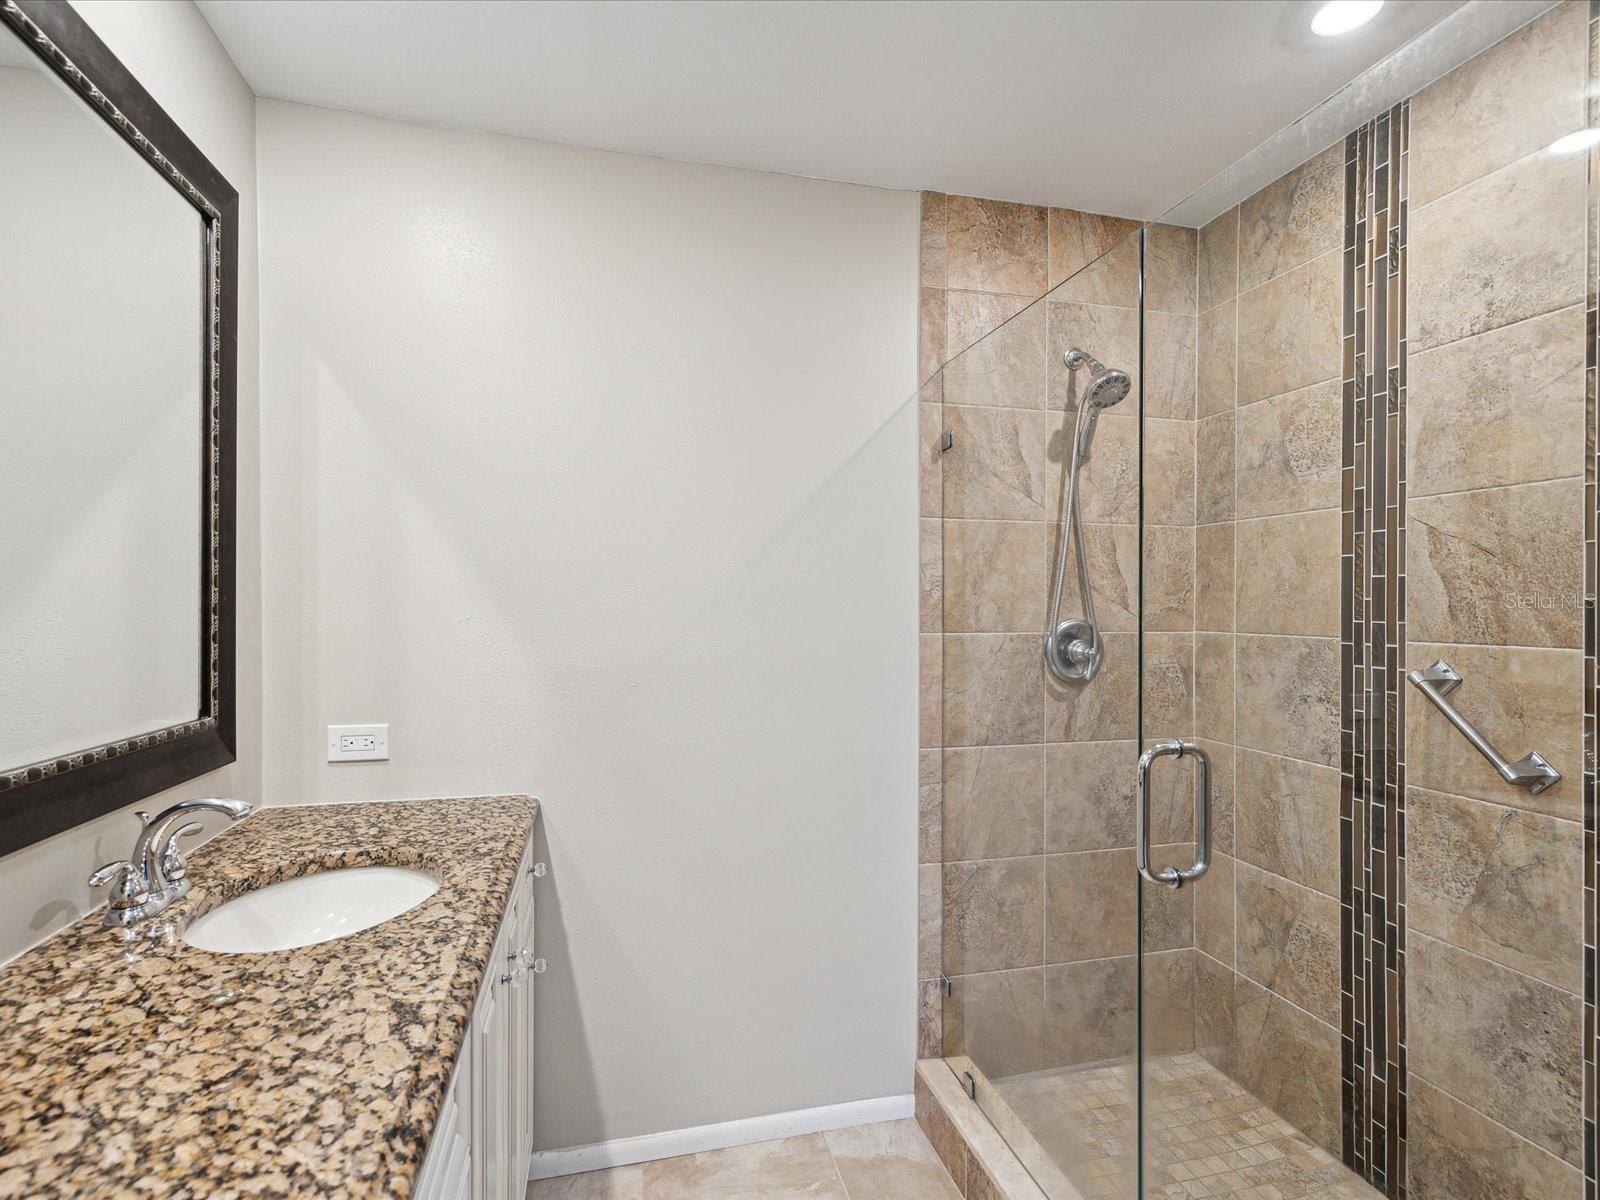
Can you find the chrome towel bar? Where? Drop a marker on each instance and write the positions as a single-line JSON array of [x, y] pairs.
[[1531, 772]]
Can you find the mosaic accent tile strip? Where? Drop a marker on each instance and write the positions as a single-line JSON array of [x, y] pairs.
[[1372, 752], [1591, 588]]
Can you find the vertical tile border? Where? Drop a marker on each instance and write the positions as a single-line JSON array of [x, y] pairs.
[[1372, 631], [1591, 587]]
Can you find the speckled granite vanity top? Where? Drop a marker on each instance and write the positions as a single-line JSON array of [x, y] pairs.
[[155, 1069]]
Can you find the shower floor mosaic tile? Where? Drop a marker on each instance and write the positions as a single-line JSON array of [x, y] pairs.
[[1209, 1139]]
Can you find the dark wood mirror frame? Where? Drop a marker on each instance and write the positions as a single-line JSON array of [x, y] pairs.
[[45, 798]]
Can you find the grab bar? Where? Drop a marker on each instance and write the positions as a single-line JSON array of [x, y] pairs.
[[1172, 876], [1531, 772]]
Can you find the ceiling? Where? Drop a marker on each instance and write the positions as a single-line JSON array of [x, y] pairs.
[[1119, 106]]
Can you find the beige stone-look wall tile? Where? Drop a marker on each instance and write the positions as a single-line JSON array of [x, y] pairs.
[[1222, 793], [997, 1019], [930, 920], [1104, 711], [1213, 570], [1108, 488], [992, 689], [996, 576], [1217, 352], [1214, 910], [1169, 983], [930, 806], [1290, 1060], [1213, 685], [1089, 798], [1500, 408], [930, 333], [1002, 367], [1293, 220], [1109, 334], [970, 317], [930, 1018], [1169, 684], [1290, 330], [1501, 566], [1098, 882], [993, 802], [1218, 260], [1215, 1022], [1516, 97], [1290, 451], [1077, 239], [1498, 882], [1288, 818], [994, 246], [932, 248], [930, 601], [995, 470], [1288, 940], [1101, 882], [1286, 693], [993, 915], [1214, 469], [1113, 278], [1169, 269], [941, 1132], [1169, 350], [1289, 574], [930, 469], [1522, 699], [930, 681], [1168, 578], [1091, 1011], [1483, 256], [1453, 1151], [1169, 478], [1477, 1029]]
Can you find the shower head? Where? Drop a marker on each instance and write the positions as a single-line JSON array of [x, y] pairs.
[[1106, 386]]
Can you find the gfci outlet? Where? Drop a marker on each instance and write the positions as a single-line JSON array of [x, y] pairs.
[[358, 743]]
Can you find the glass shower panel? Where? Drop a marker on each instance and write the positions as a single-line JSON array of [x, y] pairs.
[[1041, 923]]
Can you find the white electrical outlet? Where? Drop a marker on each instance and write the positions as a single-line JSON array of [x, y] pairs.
[[358, 743]]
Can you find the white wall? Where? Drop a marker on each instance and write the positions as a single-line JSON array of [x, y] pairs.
[[595, 476], [170, 49]]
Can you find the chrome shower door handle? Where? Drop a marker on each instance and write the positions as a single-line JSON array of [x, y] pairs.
[[1173, 877]]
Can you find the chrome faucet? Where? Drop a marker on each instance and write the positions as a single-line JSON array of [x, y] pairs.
[[156, 876]]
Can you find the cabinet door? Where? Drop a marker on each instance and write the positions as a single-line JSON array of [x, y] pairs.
[[490, 1067], [521, 1020]]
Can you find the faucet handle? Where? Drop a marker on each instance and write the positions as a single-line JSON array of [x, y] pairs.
[[130, 894], [173, 866]]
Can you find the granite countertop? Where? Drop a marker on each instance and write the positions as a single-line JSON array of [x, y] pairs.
[[151, 1068]]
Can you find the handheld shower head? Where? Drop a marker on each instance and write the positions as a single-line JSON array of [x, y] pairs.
[[1107, 386]]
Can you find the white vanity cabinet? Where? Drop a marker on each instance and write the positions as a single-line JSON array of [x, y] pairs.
[[484, 1135]]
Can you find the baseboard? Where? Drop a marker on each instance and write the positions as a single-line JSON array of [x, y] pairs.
[[548, 1164]]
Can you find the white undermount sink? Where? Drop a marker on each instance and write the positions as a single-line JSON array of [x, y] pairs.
[[310, 909]]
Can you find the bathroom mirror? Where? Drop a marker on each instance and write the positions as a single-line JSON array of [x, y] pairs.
[[117, 313]]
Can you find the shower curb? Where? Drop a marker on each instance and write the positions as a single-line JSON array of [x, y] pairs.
[[982, 1164]]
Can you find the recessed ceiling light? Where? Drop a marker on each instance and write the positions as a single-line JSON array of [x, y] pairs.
[[1583, 139], [1341, 16]]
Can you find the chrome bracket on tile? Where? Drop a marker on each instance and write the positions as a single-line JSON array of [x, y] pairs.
[[946, 440], [1531, 771], [969, 1085], [946, 986]]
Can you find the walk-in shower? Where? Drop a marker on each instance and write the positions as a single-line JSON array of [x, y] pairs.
[[1286, 433], [1073, 650]]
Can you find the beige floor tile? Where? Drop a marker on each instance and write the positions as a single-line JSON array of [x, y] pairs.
[[797, 1168], [890, 1161], [619, 1183]]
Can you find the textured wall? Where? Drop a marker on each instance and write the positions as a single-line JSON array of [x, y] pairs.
[[592, 475]]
